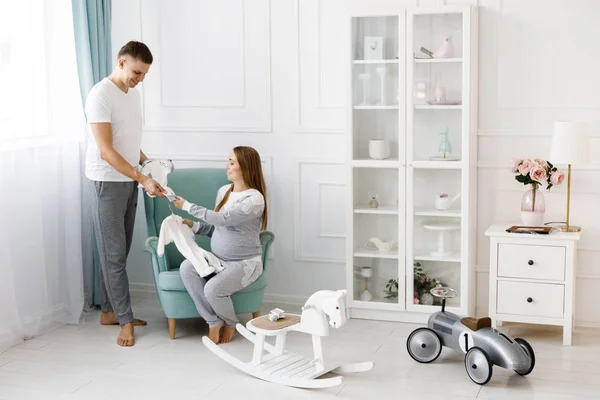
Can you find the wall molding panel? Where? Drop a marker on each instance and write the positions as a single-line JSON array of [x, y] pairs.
[[225, 83]]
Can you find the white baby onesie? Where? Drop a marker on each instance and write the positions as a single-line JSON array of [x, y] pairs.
[[173, 230], [158, 170]]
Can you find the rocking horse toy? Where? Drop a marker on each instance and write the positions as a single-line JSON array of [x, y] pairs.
[[287, 368]]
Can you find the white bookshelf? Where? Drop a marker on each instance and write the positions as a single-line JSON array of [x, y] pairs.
[[407, 181]]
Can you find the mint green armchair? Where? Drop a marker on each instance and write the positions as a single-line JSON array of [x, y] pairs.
[[200, 186]]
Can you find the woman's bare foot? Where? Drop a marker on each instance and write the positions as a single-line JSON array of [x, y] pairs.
[[227, 334], [126, 337], [213, 333], [109, 318]]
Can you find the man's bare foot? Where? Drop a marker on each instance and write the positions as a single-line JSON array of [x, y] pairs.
[[213, 333], [227, 334], [109, 318], [126, 337]]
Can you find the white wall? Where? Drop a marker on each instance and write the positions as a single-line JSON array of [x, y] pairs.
[[284, 96]]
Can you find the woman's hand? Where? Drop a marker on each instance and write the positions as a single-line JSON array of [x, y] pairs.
[[179, 202], [188, 222]]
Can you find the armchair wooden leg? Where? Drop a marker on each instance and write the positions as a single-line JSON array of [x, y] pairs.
[[256, 314], [172, 324]]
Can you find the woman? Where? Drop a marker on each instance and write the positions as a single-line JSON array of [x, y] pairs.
[[234, 227]]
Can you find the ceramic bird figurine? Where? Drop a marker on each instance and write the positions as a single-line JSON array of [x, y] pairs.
[[382, 245], [446, 50]]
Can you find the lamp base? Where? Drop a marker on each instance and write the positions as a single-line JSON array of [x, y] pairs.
[[572, 228]]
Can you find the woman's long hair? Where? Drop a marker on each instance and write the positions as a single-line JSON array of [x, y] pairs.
[[249, 161]]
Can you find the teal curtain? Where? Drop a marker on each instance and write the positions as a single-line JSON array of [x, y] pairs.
[[92, 37], [92, 22]]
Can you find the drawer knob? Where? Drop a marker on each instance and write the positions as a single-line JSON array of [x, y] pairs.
[[530, 262], [529, 300]]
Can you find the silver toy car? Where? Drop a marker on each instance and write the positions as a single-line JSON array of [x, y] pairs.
[[482, 345]]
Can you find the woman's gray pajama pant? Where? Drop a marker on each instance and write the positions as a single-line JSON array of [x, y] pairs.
[[213, 297]]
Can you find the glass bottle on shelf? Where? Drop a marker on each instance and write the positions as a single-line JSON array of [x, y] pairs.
[[364, 77]]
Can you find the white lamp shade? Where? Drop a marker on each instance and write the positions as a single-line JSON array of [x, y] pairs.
[[570, 143]]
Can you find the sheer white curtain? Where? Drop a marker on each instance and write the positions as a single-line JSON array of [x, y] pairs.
[[41, 126]]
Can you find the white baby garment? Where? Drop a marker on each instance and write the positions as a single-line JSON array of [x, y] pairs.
[[173, 230], [158, 170]]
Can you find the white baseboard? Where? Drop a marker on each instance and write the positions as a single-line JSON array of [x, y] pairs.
[[285, 299]]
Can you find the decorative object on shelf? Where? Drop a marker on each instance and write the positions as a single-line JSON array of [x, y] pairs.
[[535, 172], [444, 102], [391, 289], [379, 149], [373, 48], [381, 71], [444, 148], [420, 91], [439, 95], [364, 78], [443, 229], [373, 203], [422, 283], [446, 50], [427, 51], [570, 145], [443, 201], [366, 272], [381, 245], [439, 89]]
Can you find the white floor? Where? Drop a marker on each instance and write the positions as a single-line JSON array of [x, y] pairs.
[[83, 362]]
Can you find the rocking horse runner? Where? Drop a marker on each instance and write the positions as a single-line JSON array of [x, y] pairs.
[[287, 368]]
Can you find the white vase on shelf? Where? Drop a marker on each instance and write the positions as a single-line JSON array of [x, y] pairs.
[[379, 149]]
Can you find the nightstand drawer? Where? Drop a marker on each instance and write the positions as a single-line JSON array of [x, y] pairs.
[[531, 262], [535, 299]]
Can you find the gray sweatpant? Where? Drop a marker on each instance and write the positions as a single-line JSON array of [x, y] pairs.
[[113, 213], [213, 297]]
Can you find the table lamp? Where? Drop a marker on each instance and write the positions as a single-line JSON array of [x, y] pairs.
[[570, 146]]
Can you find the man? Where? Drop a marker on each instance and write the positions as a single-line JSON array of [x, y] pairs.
[[113, 110]]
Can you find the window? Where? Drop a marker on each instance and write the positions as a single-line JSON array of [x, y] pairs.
[[23, 70]]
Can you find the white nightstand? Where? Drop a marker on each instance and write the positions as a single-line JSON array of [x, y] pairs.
[[532, 277]]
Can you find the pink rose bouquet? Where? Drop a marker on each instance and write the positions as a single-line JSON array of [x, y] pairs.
[[536, 172]]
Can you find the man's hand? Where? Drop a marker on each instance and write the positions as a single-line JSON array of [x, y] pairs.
[[188, 222], [179, 202], [152, 187]]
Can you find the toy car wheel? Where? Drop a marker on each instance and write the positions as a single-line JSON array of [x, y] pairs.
[[478, 365], [529, 350], [424, 345]]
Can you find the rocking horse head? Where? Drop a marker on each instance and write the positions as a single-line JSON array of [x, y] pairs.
[[330, 303]]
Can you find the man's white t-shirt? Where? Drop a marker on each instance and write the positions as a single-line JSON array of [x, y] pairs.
[[107, 103]]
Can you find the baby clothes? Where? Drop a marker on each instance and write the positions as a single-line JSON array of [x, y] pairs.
[[173, 230], [158, 170]]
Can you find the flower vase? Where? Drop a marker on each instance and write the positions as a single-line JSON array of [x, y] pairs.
[[533, 207]]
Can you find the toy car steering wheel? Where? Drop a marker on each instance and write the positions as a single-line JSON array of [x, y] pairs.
[[443, 292]]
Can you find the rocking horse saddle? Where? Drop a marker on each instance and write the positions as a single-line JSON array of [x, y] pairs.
[[265, 323]]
